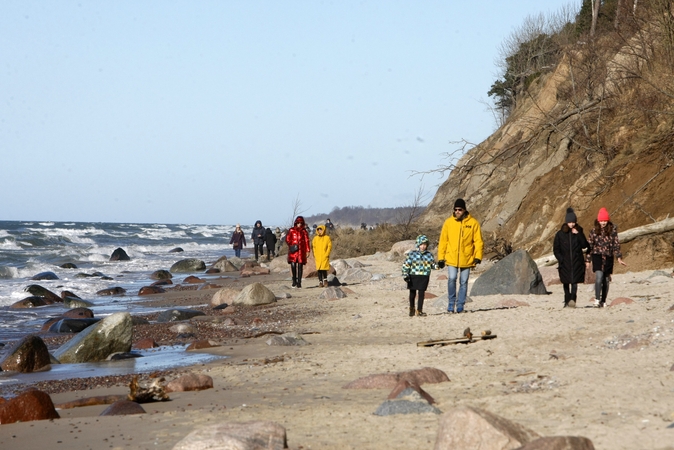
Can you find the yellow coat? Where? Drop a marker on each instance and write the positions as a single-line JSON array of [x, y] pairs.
[[322, 246], [460, 242]]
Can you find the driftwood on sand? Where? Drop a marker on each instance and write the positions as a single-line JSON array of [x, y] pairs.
[[628, 235]]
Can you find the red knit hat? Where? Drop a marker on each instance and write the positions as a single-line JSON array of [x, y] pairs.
[[603, 215]]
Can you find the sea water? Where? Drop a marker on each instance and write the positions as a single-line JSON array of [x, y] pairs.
[[29, 248]]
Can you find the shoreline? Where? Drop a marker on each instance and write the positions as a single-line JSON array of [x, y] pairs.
[[609, 379]]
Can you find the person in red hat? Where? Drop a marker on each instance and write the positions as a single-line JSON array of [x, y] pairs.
[[604, 247]]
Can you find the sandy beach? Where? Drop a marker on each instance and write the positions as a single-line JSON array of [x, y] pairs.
[[605, 374]]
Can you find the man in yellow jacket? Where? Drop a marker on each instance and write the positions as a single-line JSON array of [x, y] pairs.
[[460, 248]]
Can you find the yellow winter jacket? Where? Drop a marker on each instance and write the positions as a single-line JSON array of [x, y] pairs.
[[460, 242], [322, 246]]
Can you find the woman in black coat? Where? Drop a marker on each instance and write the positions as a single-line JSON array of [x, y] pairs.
[[568, 247]]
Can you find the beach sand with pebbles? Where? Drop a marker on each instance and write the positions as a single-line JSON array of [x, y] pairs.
[[605, 374]]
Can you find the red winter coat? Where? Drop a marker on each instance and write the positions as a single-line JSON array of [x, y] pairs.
[[299, 237]]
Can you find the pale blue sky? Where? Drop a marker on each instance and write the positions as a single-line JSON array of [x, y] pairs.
[[227, 111]]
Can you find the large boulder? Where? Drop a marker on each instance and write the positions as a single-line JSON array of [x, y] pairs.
[[255, 294], [354, 276], [28, 405], [30, 354], [468, 427], [119, 255], [224, 296], [190, 382], [403, 247], [516, 274], [111, 335], [233, 435], [188, 265]]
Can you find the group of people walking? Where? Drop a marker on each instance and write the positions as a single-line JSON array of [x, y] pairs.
[[460, 249], [299, 247], [261, 237]]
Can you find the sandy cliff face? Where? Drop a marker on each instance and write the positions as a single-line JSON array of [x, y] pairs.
[[557, 151]]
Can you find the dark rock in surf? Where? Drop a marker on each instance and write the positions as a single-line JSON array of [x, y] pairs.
[[161, 275], [70, 294], [119, 255], [74, 303], [162, 283], [188, 265], [150, 290], [68, 266], [176, 250], [112, 291], [30, 302], [79, 313], [71, 325], [45, 276], [39, 291], [30, 354]]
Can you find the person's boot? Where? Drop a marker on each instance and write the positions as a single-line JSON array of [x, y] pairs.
[[421, 313], [572, 301], [566, 300], [411, 311]]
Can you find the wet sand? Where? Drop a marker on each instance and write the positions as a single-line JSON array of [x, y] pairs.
[[600, 373]]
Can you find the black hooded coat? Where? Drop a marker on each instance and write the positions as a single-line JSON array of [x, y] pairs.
[[568, 248]]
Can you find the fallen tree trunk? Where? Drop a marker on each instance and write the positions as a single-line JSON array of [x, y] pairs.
[[626, 236]]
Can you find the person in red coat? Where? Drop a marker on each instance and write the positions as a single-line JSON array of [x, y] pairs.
[[298, 249]]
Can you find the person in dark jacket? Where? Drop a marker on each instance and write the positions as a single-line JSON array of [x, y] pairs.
[[257, 236], [238, 240], [568, 246], [270, 241]]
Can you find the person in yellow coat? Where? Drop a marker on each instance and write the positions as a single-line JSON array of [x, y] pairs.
[[460, 248], [322, 246]]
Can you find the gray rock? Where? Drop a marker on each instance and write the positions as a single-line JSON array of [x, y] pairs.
[[378, 277], [177, 314], [332, 293], [288, 339], [112, 291], [110, 335], [355, 275], [516, 274], [408, 402], [239, 436], [183, 328], [255, 294], [188, 265]]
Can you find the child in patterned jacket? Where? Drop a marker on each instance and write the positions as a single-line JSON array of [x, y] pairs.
[[417, 273]]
